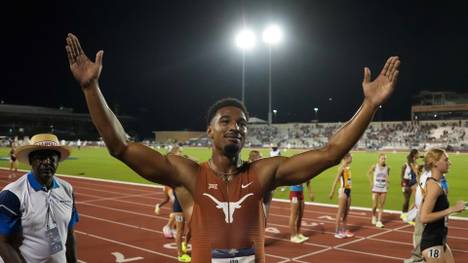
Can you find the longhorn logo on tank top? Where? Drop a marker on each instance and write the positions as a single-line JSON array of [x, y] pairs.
[[228, 208]]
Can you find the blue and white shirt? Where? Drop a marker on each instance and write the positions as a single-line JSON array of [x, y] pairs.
[[24, 206]]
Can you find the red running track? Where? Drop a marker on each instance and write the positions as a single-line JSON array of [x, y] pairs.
[[117, 224]]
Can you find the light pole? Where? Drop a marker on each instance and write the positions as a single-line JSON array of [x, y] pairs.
[[274, 113], [245, 40], [316, 114], [272, 35]]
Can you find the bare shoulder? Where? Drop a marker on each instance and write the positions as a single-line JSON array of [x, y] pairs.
[[433, 188], [266, 168], [181, 162], [268, 164], [187, 169]]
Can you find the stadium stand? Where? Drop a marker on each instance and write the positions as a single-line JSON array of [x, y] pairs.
[[23, 120]]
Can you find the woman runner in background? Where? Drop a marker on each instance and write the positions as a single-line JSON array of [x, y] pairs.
[[378, 178], [344, 197], [409, 173]]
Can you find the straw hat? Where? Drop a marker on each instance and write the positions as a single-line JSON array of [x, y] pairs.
[[43, 141]]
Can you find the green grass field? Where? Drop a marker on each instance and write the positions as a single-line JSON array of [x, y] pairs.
[[97, 163]]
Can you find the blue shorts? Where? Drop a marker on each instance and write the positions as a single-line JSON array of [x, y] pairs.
[[176, 208]]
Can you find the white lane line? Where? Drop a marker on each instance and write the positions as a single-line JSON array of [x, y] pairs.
[[118, 199], [311, 254], [121, 224], [370, 254], [125, 211], [125, 244], [112, 186], [77, 188], [307, 243]]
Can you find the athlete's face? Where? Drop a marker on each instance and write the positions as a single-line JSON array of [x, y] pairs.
[[228, 130], [44, 163], [443, 163], [382, 160]]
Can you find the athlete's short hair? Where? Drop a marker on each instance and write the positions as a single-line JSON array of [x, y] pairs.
[[225, 102]]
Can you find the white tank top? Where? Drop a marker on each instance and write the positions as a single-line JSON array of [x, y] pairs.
[[380, 178], [421, 187], [407, 174]]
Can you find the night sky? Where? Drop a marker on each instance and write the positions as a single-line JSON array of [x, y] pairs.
[[166, 62]]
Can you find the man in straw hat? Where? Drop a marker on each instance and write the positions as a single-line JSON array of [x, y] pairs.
[[37, 211]]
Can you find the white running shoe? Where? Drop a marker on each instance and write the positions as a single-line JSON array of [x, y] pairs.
[[348, 233], [374, 220], [301, 236], [296, 239], [404, 216], [167, 233], [379, 224], [340, 235]]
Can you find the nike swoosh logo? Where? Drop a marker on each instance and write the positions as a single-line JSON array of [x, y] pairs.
[[245, 186]]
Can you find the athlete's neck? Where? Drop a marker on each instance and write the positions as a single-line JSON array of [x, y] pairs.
[[223, 165]]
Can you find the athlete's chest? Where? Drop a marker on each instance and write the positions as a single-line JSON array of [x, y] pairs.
[[232, 198]]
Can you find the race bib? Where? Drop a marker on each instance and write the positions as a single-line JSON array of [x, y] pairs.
[[242, 255], [55, 242], [434, 253], [246, 259]]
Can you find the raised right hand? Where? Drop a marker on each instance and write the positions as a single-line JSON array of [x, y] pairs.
[[83, 69]]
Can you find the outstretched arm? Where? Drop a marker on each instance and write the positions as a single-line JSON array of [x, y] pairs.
[[335, 182], [171, 170], [370, 176], [303, 167]]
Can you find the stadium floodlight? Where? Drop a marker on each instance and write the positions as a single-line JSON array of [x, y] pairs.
[[316, 113], [272, 35], [245, 40]]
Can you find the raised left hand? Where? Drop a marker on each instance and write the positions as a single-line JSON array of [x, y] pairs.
[[380, 89]]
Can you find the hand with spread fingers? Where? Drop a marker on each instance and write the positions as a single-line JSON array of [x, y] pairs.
[[84, 70], [378, 90]]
